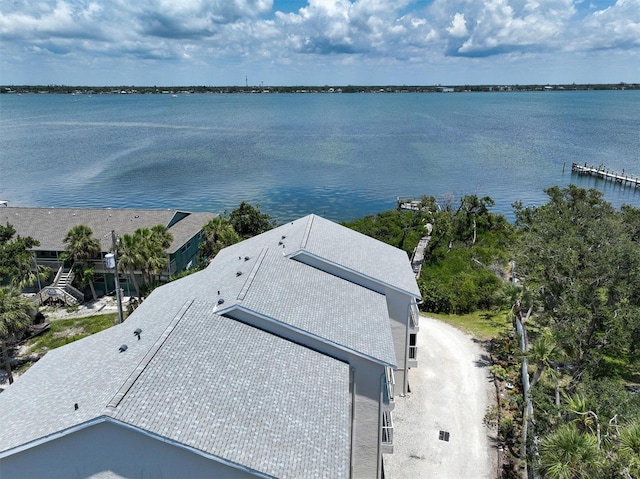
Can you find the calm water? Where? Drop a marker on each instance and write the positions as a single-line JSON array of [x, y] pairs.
[[341, 156]]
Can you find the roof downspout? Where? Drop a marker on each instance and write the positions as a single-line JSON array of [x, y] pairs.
[[379, 473], [352, 384], [405, 379]]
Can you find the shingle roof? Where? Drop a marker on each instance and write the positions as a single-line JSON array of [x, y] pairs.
[[190, 357], [257, 276], [50, 225], [339, 246], [202, 380], [241, 402], [357, 252]]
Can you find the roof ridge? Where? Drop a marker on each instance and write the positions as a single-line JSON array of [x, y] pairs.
[[252, 274], [144, 362], [307, 232]]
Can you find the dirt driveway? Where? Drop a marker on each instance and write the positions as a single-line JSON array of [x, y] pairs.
[[450, 392]]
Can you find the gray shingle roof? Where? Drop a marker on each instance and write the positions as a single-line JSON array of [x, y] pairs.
[[50, 225], [241, 402], [189, 357], [357, 252], [305, 298], [202, 380]]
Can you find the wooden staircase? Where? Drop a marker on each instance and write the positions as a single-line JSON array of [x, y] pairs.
[[61, 290]]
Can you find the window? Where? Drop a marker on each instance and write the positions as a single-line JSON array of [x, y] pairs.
[[413, 348]]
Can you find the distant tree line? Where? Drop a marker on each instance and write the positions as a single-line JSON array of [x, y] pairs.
[[79, 89]]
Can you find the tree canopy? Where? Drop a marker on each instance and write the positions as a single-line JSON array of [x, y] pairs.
[[81, 246], [241, 223], [145, 251], [578, 259], [247, 220], [17, 259], [15, 317]]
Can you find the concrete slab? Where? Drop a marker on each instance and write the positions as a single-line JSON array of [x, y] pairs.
[[439, 426]]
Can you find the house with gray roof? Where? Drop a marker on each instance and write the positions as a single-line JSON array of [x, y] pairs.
[[50, 226], [260, 365], [185, 400]]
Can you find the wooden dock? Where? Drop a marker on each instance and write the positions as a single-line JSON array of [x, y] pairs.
[[606, 174]]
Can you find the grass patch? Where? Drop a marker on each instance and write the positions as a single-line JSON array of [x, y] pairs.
[[66, 331], [482, 325], [621, 368]]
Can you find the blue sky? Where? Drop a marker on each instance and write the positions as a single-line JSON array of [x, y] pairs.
[[318, 42]]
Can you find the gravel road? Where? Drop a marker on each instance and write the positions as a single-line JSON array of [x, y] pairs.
[[450, 392]]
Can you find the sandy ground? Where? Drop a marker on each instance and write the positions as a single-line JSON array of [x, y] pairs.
[[104, 305], [450, 391]]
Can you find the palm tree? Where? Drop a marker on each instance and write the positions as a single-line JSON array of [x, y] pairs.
[[162, 236], [15, 317], [153, 243], [81, 246], [130, 258], [145, 251], [218, 234], [629, 448], [569, 454], [542, 353], [17, 258]]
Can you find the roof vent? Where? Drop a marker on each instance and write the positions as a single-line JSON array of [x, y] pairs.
[[247, 258], [137, 333], [220, 301], [123, 348], [279, 242], [75, 406], [283, 236], [238, 273]]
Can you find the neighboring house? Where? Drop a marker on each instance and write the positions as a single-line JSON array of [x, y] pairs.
[[274, 361], [50, 226]]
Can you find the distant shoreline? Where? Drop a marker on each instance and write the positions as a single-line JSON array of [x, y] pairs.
[[172, 90]]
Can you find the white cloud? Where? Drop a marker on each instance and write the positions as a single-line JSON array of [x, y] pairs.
[[458, 26], [329, 32], [617, 26]]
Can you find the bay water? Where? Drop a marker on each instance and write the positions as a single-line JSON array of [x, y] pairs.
[[341, 156]]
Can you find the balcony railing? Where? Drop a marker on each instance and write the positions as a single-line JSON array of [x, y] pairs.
[[414, 314], [387, 429], [390, 385], [413, 353]]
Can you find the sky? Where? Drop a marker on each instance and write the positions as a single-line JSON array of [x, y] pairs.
[[318, 42]]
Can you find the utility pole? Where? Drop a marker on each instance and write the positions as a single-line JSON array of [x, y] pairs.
[[111, 260]]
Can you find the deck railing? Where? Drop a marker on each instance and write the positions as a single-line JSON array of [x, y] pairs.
[[387, 428], [390, 385], [414, 314]]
